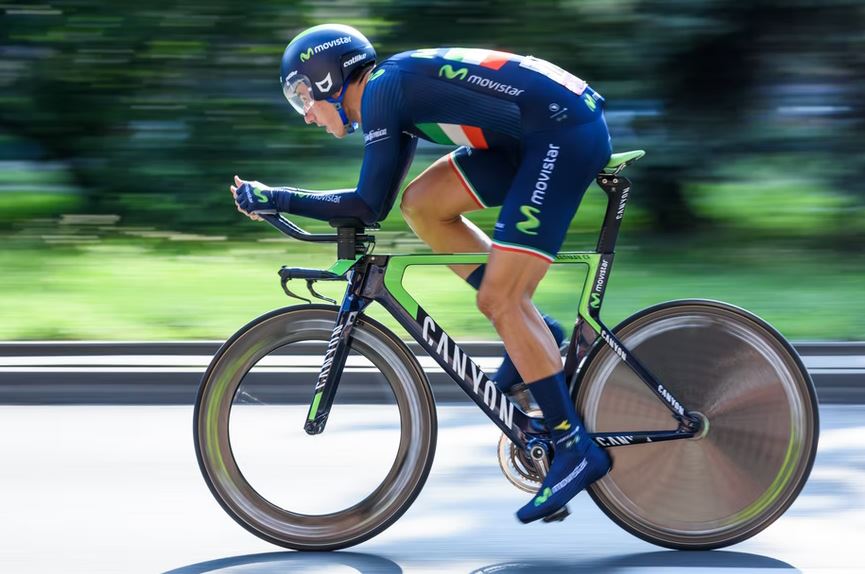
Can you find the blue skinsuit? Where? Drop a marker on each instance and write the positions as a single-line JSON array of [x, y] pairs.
[[533, 138]]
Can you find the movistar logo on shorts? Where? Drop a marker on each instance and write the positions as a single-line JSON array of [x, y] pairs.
[[304, 56], [451, 74], [531, 223], [547, 167]]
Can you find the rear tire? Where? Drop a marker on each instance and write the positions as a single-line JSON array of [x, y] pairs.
[[261, 507], [738, 477]]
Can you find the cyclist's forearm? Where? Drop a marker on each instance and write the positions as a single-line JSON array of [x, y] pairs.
[[322, 205]]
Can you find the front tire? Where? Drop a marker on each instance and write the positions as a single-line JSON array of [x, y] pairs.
[[242, 389], [756, 453]]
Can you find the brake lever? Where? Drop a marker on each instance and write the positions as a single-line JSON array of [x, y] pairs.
[[316, 294], [284, 283]]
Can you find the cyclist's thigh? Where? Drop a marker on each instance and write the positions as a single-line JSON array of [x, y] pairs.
[[461, 181], [484, 174], [557, 168]]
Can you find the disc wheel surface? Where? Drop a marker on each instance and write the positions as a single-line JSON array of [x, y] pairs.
[[760, 431]]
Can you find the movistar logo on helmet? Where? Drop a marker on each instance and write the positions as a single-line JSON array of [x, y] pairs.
[[326, 84], [451, 74], [531, 223], [304, 56]]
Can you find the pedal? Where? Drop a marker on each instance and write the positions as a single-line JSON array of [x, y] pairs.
[[557, 516]]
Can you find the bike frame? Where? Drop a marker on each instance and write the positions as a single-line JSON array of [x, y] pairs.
[[379, 278]]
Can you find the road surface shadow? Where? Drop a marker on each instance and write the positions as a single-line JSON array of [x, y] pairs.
[[273, 562], [663, 561]]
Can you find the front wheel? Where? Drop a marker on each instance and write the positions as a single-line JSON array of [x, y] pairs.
[[759, 414], [327, 491]]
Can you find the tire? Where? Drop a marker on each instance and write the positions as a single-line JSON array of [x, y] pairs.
[[735, 479], [224, 469]]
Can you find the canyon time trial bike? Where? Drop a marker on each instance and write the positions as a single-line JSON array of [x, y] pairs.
[[711, 417]]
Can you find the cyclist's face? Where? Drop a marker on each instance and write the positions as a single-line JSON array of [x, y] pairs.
[[324, 114]]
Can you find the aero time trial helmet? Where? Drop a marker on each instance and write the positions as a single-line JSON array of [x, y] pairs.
[[318, 63]]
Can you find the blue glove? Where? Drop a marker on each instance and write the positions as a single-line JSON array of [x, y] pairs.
[[255, 199]]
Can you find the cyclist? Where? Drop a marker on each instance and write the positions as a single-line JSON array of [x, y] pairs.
[[532, 138]]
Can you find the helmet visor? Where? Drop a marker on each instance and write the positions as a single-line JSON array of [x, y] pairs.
[[298, 92]]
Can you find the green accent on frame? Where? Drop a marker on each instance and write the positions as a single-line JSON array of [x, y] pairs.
[[593, 260], [341, 266], [314, 408], [397, 265]]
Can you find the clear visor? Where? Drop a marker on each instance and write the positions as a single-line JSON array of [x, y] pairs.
[[298, 92]]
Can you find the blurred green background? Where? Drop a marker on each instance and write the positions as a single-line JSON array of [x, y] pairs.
[[121, 125]]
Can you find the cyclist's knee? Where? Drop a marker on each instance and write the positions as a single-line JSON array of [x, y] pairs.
[[419, 197], [497, 302], [412, 202]]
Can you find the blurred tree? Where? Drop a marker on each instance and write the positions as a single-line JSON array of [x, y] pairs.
[[152, 107]]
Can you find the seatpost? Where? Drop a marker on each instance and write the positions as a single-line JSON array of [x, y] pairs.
[[618, 189]]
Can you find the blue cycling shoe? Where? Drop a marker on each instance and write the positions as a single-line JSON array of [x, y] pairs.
[[571, 472], [507, 377]]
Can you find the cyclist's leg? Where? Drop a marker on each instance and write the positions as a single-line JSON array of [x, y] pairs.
[[465, 180], [433, 203], [557, 168]]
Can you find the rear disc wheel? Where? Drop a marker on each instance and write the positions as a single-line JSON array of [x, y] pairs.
[[760, 433]]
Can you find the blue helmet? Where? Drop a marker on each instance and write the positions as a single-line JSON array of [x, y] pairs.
[[318, 63]]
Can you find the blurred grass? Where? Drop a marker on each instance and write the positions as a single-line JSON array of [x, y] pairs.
[[770, 248], [119, 290]]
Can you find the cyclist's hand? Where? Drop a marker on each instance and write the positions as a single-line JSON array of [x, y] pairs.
[[252, 198]]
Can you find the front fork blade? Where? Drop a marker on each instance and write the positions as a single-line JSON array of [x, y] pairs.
[[334, 362]]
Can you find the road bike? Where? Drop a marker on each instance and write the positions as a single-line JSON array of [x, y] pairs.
[[709, 414]]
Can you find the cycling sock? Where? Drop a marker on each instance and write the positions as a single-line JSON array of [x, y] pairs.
[[507, 375], [475, 277], [577, 460]]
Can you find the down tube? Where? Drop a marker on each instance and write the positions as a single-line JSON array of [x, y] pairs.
[[461, 368]]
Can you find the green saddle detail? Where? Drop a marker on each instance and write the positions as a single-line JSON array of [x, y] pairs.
[[618, 160]]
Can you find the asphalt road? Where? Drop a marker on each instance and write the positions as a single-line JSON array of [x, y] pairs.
[[116, 489], [169, 373]]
